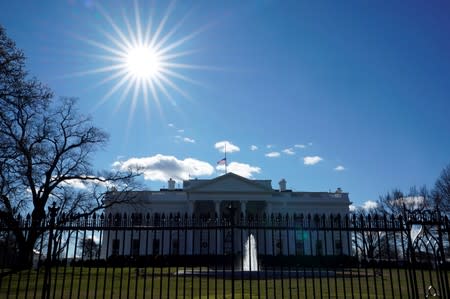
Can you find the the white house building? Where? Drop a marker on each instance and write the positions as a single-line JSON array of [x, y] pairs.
[[230, 197]]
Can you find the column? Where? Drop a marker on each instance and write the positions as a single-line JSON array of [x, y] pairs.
[[244, 208], [190, 208], [218, 233], [217, 208], [268, 248], [268, 209], [190, 233]]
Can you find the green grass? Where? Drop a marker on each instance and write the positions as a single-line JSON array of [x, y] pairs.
[[76, 282]]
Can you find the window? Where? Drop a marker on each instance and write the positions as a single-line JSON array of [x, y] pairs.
[[115, 246], [298, 220], [117, 219], [136, 219], [155, 246], [278, 247], [156, 219], [135, 246], [319, 247], [175, 247], [338, 247], [205, 216], [204, 247], [299, 247], [227, 244]]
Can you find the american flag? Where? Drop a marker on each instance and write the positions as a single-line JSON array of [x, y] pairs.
[[222, 161]]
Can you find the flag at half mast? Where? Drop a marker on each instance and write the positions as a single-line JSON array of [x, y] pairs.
[[224, 160]]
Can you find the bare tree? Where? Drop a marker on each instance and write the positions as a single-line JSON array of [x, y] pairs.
[[398, 203], [89, 248], [441, 191], [45, 151], [367, 241]]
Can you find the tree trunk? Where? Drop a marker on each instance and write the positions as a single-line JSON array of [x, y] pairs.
[[25, 255], [25, 249]]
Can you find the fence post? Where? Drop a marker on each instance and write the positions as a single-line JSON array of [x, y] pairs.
[[411, 257], [440, 258], [53, 210], [232, 214]]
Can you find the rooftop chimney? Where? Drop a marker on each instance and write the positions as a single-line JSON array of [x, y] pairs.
[[339, 190], [171, 184], [282, 184]]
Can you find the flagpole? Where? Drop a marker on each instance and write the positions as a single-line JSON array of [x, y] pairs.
[[226, 162]]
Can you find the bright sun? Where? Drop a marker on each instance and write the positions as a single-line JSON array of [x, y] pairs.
[[143, 63]]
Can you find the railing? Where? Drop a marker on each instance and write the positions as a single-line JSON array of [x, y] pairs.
[[271, 256]]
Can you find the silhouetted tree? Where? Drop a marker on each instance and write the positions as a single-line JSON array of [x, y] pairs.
[[397, 202], [45, 151], [441, 191], [89, 248], [371, 238]]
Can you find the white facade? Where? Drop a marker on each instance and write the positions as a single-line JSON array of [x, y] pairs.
[[220, 198]]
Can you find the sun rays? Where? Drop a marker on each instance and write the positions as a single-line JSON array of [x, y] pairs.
[[142, 61]]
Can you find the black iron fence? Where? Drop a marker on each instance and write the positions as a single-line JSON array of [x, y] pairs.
[[271, 256]]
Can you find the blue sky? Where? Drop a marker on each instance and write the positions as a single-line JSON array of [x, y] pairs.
[[326, 94]]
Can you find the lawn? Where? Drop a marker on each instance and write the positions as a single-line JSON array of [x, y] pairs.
[[78, 282]]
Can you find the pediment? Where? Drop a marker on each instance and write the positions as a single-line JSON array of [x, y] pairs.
[[234, 183]]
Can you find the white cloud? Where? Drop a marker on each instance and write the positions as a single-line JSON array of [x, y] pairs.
[[311, 160], [75, 183], [310, 143], [339, 168], [352, 208], [269, 146], [88, 182], [184, 139], [370, 205], [300, 146], [180, 131], [273, 155], [410, 202], [241, 169], [289, 151], [171, 125], [231, 148], [161, 167], [253, 148], [188, 140]]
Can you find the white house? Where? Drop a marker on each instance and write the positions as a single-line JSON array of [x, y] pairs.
[[230, 197]]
